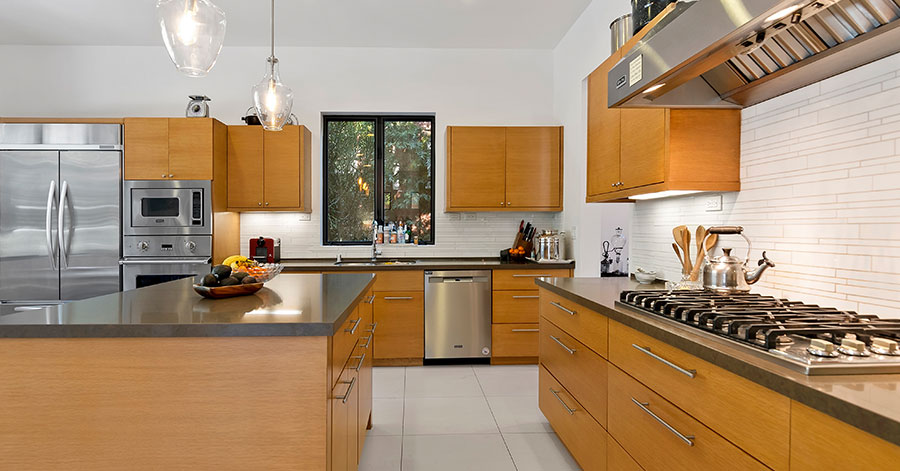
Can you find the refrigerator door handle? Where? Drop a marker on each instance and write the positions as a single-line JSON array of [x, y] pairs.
[[63, 193], [51, 252]]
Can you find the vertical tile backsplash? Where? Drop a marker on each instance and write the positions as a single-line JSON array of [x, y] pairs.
[[456, 235], [820, 177]]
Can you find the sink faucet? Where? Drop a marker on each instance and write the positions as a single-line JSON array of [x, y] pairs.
[[375, 251]]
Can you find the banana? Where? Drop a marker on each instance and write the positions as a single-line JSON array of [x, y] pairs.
[[234, 259]]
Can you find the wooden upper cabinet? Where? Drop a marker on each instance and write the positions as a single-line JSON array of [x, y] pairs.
[[146, 149], [191, 148], [533, 156], [504, 168], [476, 168], [268, 170], [245, 174], [604, 129], [643, 147], [170, 148]]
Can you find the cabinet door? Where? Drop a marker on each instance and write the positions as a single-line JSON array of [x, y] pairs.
[[603, 133], [365, 394], [146, 148], [191, 148], [400, 317], [533, 166], [476, 168], [282, 168], [343, 418], [245, 166], [353, 422], [644, 137]]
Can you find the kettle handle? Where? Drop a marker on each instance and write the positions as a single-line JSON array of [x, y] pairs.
[[725, 230]]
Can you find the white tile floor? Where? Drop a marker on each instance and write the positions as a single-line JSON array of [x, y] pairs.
[[470, 418]]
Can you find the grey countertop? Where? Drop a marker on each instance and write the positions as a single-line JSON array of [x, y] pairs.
[[289, 305], [463, 263], [869, 402]]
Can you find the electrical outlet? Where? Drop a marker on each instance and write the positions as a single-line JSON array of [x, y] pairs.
[[305, 216], [574, 233], [713, 203], [470, 216]]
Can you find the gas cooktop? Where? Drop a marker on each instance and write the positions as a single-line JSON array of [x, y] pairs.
[[805, 337]]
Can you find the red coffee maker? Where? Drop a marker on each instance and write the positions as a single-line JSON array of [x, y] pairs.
[[265, 249]]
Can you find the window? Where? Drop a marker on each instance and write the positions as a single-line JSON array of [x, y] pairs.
[[377, 168]]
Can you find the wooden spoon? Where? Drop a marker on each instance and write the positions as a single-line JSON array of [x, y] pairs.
[[710, 243], [686, 239], [677, 253], [678, 234]]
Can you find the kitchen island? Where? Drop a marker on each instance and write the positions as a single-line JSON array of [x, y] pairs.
[[630, 390], [160, 378]]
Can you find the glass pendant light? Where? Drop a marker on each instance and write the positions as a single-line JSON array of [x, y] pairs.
[[272, 99], [193, 31]]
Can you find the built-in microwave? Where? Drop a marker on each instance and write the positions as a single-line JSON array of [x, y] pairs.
[[167, 207]]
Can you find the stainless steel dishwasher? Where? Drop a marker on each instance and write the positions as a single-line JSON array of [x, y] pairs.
[[457, 314]]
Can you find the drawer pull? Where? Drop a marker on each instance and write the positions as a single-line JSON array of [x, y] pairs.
[[349, 388], [645, 407], [373, 327], [352, 330], [557, 340], [398, 298], [560, 306], [526, 330], [688, 373], [526, 297], [561, 401], [532, 276], [361, 359], [368, 342], [370, 299]]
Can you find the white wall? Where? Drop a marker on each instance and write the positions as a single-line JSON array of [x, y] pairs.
[[584, 47], [466, 86], [820, 178]]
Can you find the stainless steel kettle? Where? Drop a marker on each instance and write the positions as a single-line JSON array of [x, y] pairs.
[[729, 274]]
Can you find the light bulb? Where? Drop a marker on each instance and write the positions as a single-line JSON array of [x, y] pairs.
[[193, 32], [187, 29], [272, 99]]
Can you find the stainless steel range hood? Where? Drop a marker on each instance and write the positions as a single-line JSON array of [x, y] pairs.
[[737, 53]]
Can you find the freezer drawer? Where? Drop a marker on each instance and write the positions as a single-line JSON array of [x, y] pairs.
[[457, 314]]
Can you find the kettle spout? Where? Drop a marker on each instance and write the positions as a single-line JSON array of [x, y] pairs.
[[755, 275]]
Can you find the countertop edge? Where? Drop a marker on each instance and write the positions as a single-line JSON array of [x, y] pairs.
[[300, 265], [853, 414]]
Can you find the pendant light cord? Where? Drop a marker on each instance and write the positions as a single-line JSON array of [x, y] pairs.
[[273, 29]]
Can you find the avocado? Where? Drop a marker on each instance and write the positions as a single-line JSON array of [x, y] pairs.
[[240, 275], [230, 281], [221, 271], [249, 280], [210, 281]]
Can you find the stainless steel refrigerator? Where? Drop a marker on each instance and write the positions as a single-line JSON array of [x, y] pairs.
[[60, 211]]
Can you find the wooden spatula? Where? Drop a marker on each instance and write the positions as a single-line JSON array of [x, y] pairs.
[[710, 243], [679, 234]]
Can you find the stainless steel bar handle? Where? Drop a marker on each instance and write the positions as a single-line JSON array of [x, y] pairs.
[[526, 330], [398, 298], [361, 359], [645, 407], [686, 372], [557, 340], [51, 252], [368, 342], [166, 261], [347, 394], [352, 330], [531, 276], [60, 223], [526, 297], [561, 401], [373, 327], [371, 299], [560, 306]]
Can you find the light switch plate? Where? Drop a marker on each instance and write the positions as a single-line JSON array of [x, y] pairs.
[[713, 203], [470, 216]]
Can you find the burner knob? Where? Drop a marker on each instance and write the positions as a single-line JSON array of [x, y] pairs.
[[143, 245], [853, 347], [885, 346], [822, 348], [191, 246]]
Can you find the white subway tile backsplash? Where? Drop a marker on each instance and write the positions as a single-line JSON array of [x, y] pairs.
[[821, 193]]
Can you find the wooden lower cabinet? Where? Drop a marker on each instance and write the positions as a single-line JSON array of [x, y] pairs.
[[344, 422], [400, 325], [617, 459], [582, 371], [515, 306], [515, 341], [576, 428]]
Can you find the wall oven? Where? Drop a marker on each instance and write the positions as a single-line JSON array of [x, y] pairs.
[[167, 207], [150, 260]]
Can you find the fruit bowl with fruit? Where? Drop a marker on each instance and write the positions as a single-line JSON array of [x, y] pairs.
[[236, 276]]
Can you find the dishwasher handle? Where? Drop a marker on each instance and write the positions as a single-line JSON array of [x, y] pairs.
[[458, 279]]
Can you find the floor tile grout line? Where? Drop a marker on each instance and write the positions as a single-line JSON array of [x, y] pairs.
[[506, 445], [403, 419]]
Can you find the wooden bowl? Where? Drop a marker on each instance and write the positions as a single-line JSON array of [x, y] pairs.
[[220, 292]]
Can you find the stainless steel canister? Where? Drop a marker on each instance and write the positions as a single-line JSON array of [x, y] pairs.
[[546, 246], [621, 30]]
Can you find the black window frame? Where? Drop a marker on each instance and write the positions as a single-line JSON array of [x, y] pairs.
[[379, 120]]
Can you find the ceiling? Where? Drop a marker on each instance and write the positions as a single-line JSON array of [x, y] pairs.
[[502, 24]]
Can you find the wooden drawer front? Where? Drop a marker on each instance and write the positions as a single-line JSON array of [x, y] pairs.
[[515, 307], [396, 280], [727, 403], [582, 371], [661, 437], [400, 324], [617, 459], [524, 279], [514, 340], [343, 342], [589, 327], [577, 429], [819, 441]]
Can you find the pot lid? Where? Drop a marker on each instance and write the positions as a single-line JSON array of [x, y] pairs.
[[727, 257]]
